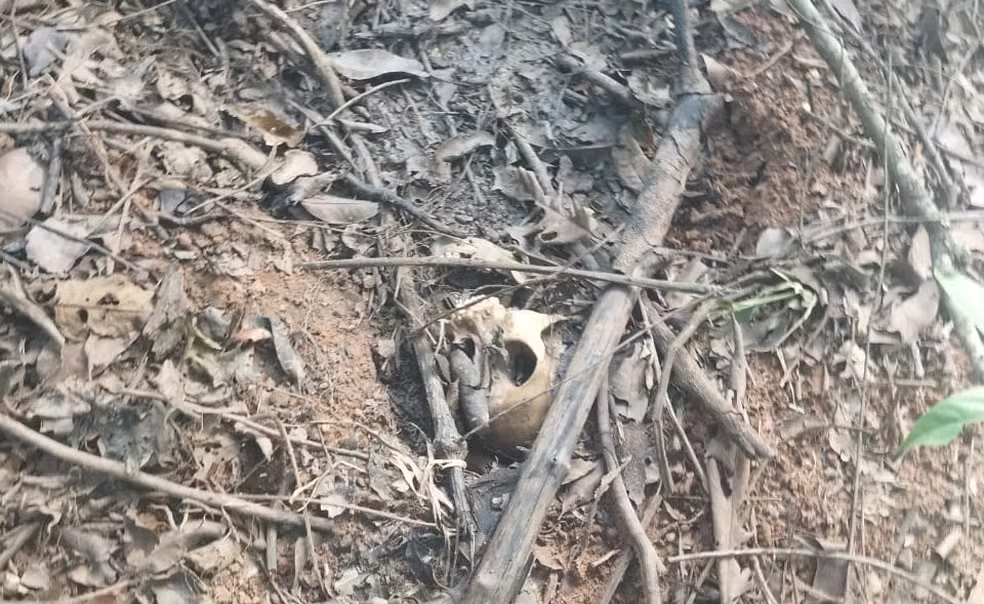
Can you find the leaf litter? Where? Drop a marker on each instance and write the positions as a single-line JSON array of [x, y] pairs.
[[212, 360]]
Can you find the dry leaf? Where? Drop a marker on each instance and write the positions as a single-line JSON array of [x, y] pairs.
[[548, 558], [630, 164], [42, 48], [475, 248], [463, 144], [951, 136], [277, 129], [849, 12], [920, 256], [510, 182], [561, 28], [15, 298], [288, 358], [296, 163], [20, 196], [773, 243], [969, 235], [340, 210], [628, 383], [101, 352], [719, 75], [110, 306], [558, 228], [369, 63], [916, 312], [185, 161], [854, 358], [170, 383], [52, 252]]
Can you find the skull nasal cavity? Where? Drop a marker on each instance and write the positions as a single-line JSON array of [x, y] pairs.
[[522, 362]]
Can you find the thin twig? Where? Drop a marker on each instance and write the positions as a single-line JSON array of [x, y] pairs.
[[121, 472], [606, 83], [194, 410], [321, 61], [649, 508], [649, 563], [572, 273], [16, 540], [80, 240], [815, 554], [359, 97], [879, 300], [390, 198], [662, 391]]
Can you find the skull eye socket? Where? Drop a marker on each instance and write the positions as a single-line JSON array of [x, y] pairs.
[[468, 346], [522, 362]]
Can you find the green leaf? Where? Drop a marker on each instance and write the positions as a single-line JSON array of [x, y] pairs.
[[944, 420], [966, 293]]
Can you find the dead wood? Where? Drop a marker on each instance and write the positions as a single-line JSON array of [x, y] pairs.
[[119, 471], [502, 570], [650, 565], [448, 442], [696, 386], [649, 508], [726, 507], [476, 263], [916, 200]]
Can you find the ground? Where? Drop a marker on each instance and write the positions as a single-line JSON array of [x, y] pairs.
[[175, 171]]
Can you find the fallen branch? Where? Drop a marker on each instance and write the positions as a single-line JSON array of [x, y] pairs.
[[915, 198], [118, 471], [649, 508], [448, 442], [235, 149], [323, 64], [502, 570], [650, 565], [694, 383], [559, 271]]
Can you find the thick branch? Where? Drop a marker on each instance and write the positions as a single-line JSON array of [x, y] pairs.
[[501, 573]]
